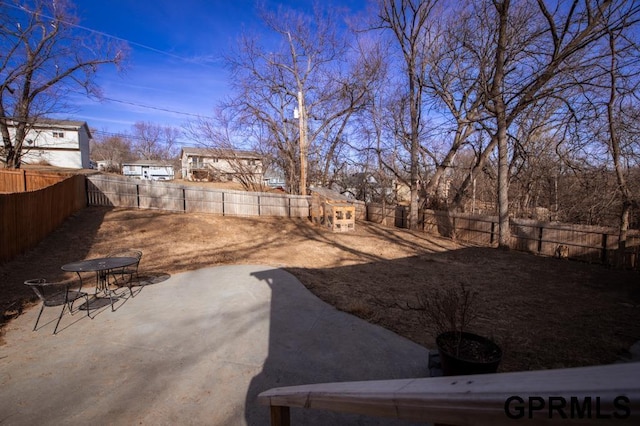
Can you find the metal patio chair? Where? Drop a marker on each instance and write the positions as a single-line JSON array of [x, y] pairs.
[[53, 294], [125, 276]]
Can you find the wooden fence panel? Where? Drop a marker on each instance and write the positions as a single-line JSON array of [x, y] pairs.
[[271, 205], [474, 229], [28, 217], [379, 214], [300, 205], [12, 181], [125, 192], [361, 209], [201, 201], [97, 196], [241, 204], [10, 224], [439, 222], [107, 191], [585, 243], [158, 196], [27, 180], [401, 218], [524, 236], [37, 180]]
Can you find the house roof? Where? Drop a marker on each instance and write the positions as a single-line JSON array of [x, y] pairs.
[[54, 124], [220, 153], [328, 193], [147, 163]]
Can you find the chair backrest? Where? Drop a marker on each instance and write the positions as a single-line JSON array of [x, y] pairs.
[[127, 253], [41, 287]]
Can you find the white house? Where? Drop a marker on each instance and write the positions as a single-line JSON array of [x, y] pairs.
[[148, 170], [60, 143], [220, 164], [274, 179]]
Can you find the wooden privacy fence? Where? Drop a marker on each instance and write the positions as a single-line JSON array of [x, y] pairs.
[[27, 180], [586, 243], [124, 192], [389, 215], [27, 217]]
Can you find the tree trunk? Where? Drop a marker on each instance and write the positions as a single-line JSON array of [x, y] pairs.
[[303, 145], [468, 180], [414, 91], [504, 234], [614, 142]]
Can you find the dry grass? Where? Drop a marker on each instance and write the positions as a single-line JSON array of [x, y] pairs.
[[546, 313]]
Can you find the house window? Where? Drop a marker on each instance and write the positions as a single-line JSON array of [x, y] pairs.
[[215, 160], [197, 163], [58, 134]]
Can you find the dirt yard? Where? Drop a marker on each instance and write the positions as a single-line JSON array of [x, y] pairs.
[[544, 312]]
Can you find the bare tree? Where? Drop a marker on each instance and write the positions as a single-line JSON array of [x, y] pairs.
[[218, 138], [297, 97], [410, 21], [43, 57], [454, 85], [539, 52], [154, 142], [534, 163], [113, 149], [620, 50]]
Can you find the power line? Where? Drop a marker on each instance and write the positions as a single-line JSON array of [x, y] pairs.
[[102, 33], [156, 108], [91, 30], [133, 137]]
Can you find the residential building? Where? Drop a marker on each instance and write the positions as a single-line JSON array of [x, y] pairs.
[[148, 170], [208, 164], [106, 165], [60, 143], [274, 179]]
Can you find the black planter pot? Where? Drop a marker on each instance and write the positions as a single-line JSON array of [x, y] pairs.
[[467, 353]]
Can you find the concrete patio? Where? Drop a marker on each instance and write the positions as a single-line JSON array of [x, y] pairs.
[[194, 348]]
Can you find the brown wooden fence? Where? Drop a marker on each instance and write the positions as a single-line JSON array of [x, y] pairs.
[[125, 192], [27, 180], [27, 217], [586, 243]]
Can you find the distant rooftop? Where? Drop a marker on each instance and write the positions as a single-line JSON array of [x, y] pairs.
[[146, 163], [223, 153], [51, 123]]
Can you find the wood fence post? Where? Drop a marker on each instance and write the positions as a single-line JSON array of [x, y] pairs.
[[138, 194], [85, 180], [258, 205], [603, 255], [184, 199], [280, 416], [540, 239], [405, 215], [24, 180], [493, 230], [222, 203], [453, 226]]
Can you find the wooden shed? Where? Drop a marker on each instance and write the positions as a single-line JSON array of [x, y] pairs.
[[332, 210]]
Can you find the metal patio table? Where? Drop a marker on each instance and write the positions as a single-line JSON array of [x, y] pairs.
[[101, 266]]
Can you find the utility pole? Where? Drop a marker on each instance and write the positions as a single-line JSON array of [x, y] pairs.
[[303, 144]]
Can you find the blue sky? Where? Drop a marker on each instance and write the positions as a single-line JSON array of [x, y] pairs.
[[175, 63]]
